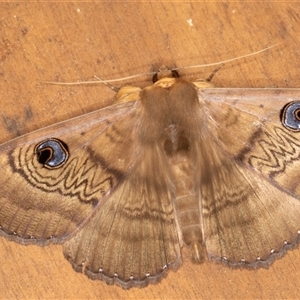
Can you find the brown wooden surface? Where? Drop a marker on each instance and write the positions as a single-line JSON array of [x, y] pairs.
[[74, 41]]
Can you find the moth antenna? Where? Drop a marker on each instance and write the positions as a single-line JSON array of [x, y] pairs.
[[228, 60], [153, 73], [97, 82]]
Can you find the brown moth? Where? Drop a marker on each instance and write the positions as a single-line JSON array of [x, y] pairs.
[[176, 164]]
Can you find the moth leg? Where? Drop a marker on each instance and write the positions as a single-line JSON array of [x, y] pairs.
[[206, 83], [125, 93], [213, 73], [115, 89]]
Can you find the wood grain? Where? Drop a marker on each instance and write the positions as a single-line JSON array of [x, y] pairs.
[[73, 42]]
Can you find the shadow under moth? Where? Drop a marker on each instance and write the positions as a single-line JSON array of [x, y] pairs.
[[175, 164]]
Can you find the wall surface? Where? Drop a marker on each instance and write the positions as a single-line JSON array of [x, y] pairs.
[[75, 41]]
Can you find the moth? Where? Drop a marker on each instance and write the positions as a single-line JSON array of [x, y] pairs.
[[175, 164]]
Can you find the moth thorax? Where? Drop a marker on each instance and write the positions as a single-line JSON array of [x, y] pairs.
[[175, 141]]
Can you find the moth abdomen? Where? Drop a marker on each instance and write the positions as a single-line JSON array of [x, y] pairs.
[[181, 155]]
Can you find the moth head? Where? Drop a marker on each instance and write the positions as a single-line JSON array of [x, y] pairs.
[[52, 153], [164, 72], [290, 116], [166, 77]]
